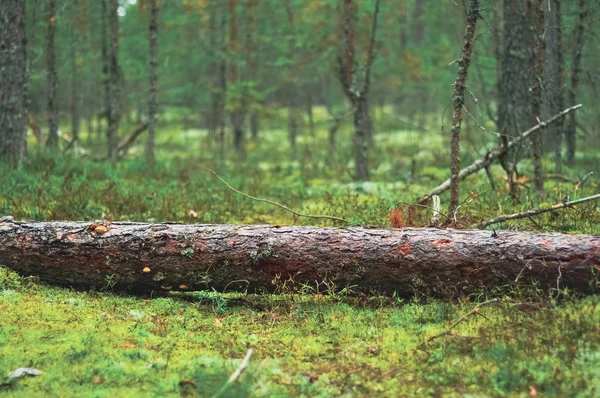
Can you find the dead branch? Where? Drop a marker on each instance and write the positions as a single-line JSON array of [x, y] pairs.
[[535, 212], [236, 375], [284, 207], [495, 154], [474, 311]]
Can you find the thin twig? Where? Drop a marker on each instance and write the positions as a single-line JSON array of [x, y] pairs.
[[235, 375], [294, 212], [535, 212], [474, 311], [585, 177]]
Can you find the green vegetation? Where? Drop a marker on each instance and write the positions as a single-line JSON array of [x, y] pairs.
[[102, 344], [98, 344], [178, 189]]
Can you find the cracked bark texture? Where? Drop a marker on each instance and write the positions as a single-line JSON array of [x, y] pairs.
[[139, 257], [13, 80]]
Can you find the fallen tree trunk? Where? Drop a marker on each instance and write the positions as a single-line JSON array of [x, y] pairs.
[[141, 257]]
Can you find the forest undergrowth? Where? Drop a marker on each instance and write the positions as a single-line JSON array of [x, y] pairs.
[[306, 343]]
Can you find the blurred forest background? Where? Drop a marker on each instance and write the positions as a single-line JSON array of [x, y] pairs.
[[315, 92]]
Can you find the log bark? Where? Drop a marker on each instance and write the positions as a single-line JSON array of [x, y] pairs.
[[139, 257]]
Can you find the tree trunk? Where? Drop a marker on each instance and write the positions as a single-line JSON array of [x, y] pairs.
[[553, 100], [237, 113], [514, 109], [458, 102], [536, 8], [418, 22], [75, 89], [152, 106], [357, 92], [579, 37], [13, 83], [52, 77], [309, 112], [257, 258], [254, 125], [361, 139], [222, 85], [114, 114], [105, 113]]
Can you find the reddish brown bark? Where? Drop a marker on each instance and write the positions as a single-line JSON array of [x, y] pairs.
[[145, 257]]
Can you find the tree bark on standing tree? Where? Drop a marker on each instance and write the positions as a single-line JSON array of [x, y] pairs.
[[75, 89], [578, 42], [105, 113], [356, 88], [222, 84], [553, 99], [114, 114], [536, 12], [458, 101], [13, 83], [514, 103], [152, 105], [52, 77], [238, 113]]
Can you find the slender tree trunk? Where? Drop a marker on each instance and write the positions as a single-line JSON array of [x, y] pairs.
[[309, 112], [579, 37], [254, 125], [106, 106], [237, 113], [152, 106], [418, 22], [213, 71], [75, 89], [292, 115], [459, 102], [553, 90], [357, 92], [536, 8], [222, 85], [13, 82], [52, 77], [161, 257], [114, 116]]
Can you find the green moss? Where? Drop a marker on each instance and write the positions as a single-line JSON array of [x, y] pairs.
[[98, 344]]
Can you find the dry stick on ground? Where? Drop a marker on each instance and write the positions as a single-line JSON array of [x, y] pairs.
[[493, 155], [235, 375], [535, 212], [297, 214], [474, 311]]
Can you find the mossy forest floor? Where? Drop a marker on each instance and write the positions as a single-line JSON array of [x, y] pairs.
[[96, 344], [103, 344]]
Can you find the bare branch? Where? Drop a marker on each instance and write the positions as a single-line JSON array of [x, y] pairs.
[[297, 214], [535, 212]]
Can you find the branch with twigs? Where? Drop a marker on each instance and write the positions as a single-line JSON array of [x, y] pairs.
[[496, 153], [535, 212], [284, 207]]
